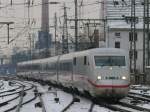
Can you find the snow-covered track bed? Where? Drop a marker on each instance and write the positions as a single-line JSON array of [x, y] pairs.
[[1, 84], [133, 108], [72, 102], [8, 87], [86, 105], [14, 100], [141, 97], [56, 100], [121, 108], [15, 90], [110, 106], [68, 103]]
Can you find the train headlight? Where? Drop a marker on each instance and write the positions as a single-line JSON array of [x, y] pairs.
[[110, 68], [99, 77], [123, 77]]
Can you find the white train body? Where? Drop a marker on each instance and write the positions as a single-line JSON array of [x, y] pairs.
[[102, 71]]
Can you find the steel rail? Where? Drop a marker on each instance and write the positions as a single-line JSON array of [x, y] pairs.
[[21, 100], [70, 104]]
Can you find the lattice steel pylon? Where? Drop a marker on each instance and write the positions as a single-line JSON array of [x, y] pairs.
[[133, 38], [65, 33], [146, 36]]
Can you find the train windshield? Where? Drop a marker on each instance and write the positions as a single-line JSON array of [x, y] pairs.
[[109, 60]]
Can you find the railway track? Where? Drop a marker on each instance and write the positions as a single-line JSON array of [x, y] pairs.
[[20, 106], [41, 101], [135, 107], [112, 107], [121, 106], [9, 100], [15, 92], [53, 94], [1, 85], [10, 90], [9, 105], [91, 107], [22, 93], [74, 99], [139, 94], [139, 97]]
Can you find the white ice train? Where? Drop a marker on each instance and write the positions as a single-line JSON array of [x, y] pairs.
[[102, 72]]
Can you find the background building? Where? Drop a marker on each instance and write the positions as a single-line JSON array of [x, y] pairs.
[[118, 27], [119, 38]]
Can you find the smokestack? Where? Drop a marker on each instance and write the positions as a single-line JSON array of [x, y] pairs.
[[45, 16]]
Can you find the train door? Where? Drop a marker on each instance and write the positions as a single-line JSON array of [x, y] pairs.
[[113, 74], [79, 72], [75, 78], [72, 78], [57, 68]]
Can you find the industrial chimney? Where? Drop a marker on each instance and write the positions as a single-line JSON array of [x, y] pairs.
[[45, 16], [44, 38]]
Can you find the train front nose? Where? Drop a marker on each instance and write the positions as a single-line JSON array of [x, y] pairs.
[[113, 82], [109, 88], [111, 92]]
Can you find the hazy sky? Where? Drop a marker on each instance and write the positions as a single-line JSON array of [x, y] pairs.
[[18, 13]]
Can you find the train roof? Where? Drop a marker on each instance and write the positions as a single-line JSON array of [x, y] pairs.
[[99, 50], [104, 51]]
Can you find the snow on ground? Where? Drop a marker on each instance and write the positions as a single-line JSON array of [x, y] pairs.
[[8, 92], [64, 100], [48, 98], [4, 99], [1, 82], [30, 107], [136, 91], [84, 106], [10, 105], [144, 105], [29, 95], [140, 89], [51, 105], [6, 87], [97, 108], [143, 90]]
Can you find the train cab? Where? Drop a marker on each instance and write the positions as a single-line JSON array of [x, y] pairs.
[[111, 73]]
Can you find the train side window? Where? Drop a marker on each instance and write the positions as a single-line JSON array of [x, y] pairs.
[[46, 66], [85, 60], [74, 61]]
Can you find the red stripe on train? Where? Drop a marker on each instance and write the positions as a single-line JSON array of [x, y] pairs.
[[108, 86]]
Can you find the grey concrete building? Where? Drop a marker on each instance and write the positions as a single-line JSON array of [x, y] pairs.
[[117, 31], [119, 38]]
